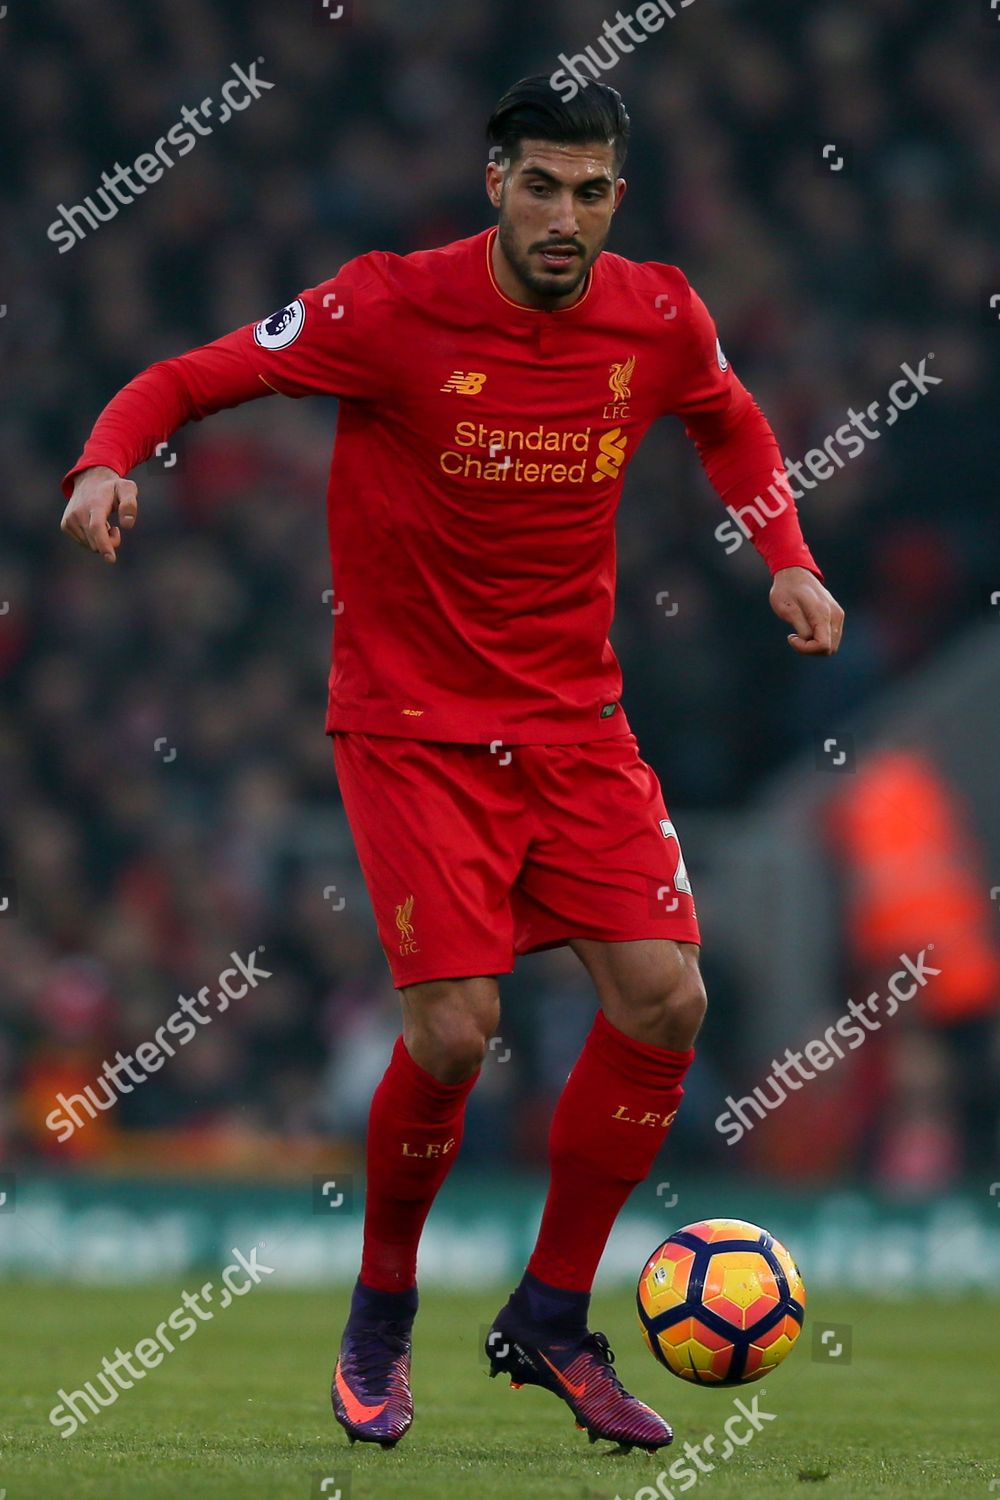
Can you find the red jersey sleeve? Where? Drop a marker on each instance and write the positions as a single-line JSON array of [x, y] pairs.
[[331, 340], [326, 342], [737, 447]]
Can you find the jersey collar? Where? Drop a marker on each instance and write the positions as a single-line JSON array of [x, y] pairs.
[[559, 312]]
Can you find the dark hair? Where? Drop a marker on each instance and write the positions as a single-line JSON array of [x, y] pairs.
[[532, 110]]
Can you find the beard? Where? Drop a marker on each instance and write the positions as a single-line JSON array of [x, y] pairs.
[[551, 286]]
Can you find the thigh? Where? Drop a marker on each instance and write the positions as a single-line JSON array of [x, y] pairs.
[[440, 839], [647, 966], [604, 861]]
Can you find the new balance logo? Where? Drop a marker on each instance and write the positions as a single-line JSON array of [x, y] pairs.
[[465, 384]]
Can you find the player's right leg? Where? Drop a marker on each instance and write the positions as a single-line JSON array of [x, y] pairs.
[[441, 834], [414, 1133]]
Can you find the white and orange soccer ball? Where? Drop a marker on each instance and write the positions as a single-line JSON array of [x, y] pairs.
[[721, 1302]]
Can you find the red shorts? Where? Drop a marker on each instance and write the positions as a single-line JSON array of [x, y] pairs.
[[472, 857]]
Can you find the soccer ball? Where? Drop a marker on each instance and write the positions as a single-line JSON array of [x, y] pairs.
[[720, 1302]]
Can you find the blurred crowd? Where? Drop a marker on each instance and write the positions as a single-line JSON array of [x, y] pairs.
[[167, 795]]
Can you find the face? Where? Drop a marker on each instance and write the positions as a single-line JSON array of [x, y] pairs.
[[556, 204]]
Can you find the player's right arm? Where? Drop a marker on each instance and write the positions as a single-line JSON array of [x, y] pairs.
[[101, 506], [325, 342], [102, 502]]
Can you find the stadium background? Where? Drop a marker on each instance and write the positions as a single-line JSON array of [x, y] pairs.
[[133, 868]]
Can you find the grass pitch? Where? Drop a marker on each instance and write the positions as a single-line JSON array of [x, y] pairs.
[[241, 1408]]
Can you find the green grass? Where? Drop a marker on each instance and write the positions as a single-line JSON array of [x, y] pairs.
[[240, 1410]]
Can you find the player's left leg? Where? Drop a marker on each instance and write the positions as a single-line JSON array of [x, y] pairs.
[[620, 1100], [611, 1120], [605, 874]]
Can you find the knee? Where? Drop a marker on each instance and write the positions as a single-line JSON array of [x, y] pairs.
[[684, 1008], [667, 1008], [447, 1026]]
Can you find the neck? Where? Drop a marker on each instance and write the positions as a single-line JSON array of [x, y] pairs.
[[513, 287]]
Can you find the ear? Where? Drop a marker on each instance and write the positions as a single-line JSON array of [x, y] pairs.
[[494, 183], [621, 188]]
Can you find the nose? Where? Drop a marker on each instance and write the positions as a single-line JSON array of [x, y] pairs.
[[563, 222]]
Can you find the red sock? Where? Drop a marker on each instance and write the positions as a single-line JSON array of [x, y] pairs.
[[610, 1121], [414, 1132]]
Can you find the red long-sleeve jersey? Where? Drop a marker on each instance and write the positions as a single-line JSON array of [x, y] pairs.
[[479, 459]]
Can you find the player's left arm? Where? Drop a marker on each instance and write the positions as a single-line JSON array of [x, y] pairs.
[[802, 601], [740, 454]]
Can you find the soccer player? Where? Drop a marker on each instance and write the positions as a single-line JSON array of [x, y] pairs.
[[492, 394]]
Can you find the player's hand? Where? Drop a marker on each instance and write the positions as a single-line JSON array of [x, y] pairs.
[[103, 505], [798, 598]]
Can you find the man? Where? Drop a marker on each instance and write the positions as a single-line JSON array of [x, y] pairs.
[[492, 394]]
